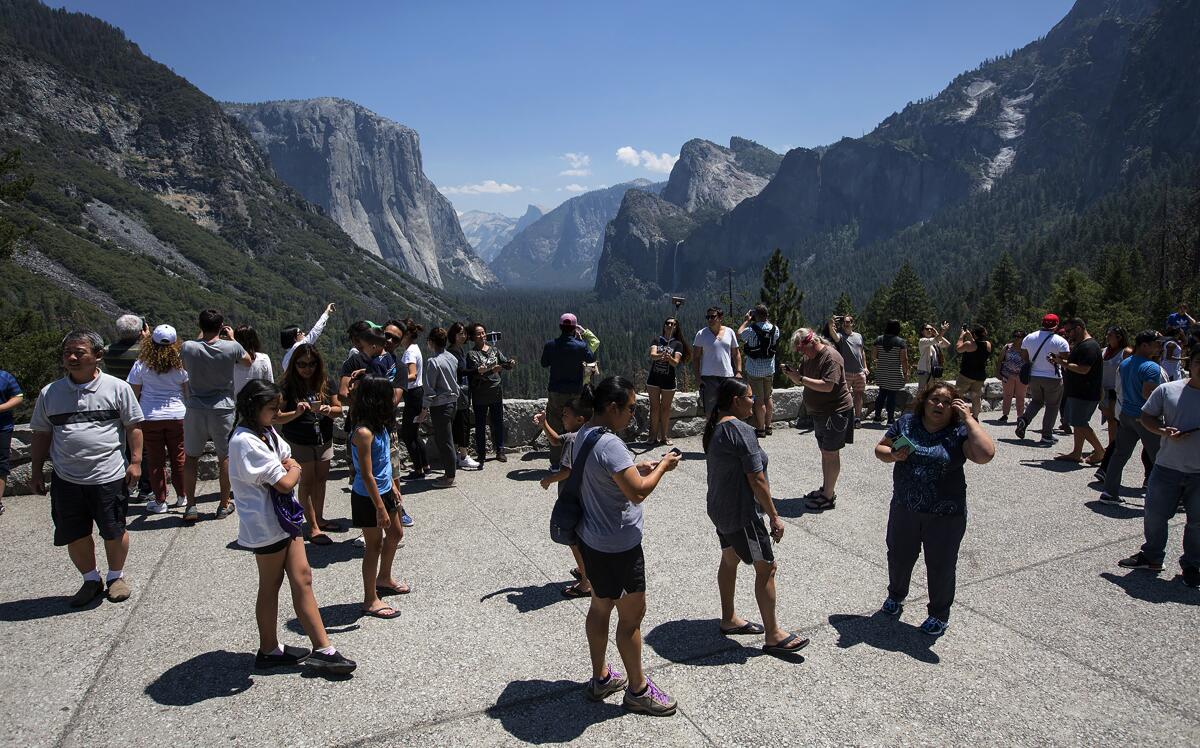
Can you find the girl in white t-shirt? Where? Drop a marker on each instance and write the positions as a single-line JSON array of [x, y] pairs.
[[159, 382], [263, 476], [260, 366]]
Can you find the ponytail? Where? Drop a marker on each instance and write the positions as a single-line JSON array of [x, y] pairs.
[[610, 390], [727, 392]]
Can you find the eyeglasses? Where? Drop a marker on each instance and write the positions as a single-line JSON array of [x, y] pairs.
[[939, 401], [306, 364], [712, 316], [391, 338]]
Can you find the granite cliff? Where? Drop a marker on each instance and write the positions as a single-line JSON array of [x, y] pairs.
[[489, 232]]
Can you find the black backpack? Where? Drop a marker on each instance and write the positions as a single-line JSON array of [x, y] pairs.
[[768, 342], [568, 507]]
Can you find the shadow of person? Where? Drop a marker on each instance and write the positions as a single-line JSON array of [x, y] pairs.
[[36, 608], [338, 618], [1144, 585], [321, 556], [1056, 466], [792, 508], [534, 455], [144, 520], [698, 641], [530, 598], [523, 712], [1114, 511], [528, 474], [882, 631], [212, 675]]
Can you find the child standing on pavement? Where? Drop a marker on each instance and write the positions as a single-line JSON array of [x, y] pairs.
[[574, 415], [375, 495]]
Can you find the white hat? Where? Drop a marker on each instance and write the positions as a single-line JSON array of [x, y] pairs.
[[164, 335]]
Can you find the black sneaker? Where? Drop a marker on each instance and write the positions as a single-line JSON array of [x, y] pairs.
[[291, 657], [334, 664], [1099, 476], [1191, 576], [1108, 498], [1139, 561], [1021, 424]]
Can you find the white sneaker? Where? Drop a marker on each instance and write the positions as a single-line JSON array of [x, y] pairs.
[[154, 506], [180, 502], [466, 463]]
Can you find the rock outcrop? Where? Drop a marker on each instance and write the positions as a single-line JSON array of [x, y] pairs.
[[710, 177], [641, 246], [489, 232], [365, 171]]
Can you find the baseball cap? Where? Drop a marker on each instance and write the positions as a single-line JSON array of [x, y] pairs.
[[1148, 336], [164, 335], [373, 334], [1050, 320], [568, 319]]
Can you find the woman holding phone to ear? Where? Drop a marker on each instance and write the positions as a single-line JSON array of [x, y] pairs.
[[929, 495]]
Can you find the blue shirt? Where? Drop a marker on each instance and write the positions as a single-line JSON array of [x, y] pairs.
[[931, 480], [565, 357], [1136, 371], [1176, 319], [381, 464], [8, 390]]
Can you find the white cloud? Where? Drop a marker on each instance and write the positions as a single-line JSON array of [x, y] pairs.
[[575, 188], [579, 163], [575, 173], [486, 187], [648, 160]]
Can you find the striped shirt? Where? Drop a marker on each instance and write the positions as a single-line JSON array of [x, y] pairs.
[[86, 423], [889, 374]]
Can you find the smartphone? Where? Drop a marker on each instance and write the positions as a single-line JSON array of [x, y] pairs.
[[675, 451], [902, 442]]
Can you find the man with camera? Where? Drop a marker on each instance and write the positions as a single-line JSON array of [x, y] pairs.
[[828, 400], [850, 345], [1040, 350], [762, 343], [715, 356], [484, 364], [565, 357]]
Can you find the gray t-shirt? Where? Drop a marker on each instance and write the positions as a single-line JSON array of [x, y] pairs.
[[86, 423], [851, 348], [732, 453], [210, 372], [1179, 406], [611, 522]]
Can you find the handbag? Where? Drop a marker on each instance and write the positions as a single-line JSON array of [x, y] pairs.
[[568, 507], [936, 370], [1026, 372], [288, 511]]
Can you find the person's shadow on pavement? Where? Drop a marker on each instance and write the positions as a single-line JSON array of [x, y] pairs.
[[1143, 585], [530, 598], [525, 711], [212, 675], [699, 641], [882, 631]]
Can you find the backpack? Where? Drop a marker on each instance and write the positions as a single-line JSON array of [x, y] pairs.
[[568, 507], [767, 342]]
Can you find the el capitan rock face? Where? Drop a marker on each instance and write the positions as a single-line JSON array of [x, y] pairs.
[[365, 171]]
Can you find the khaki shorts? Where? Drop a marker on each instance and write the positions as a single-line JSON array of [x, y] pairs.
[[857, 382], [201, 425], [762, 387], [966, 386], [312, 453]]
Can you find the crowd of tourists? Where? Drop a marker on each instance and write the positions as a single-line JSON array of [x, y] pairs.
[[155, 399]]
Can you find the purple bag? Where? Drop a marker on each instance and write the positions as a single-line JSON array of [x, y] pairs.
[[288, 510]]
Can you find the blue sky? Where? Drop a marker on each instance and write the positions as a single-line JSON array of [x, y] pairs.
[[529, 102]]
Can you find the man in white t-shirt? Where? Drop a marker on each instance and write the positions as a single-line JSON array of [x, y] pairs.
[[716, 356], [1041, 349]]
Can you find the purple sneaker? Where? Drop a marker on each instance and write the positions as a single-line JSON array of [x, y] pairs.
[[653, 701], [598, 690]]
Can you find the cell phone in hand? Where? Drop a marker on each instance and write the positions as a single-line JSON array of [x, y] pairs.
[[674, 451], [902, 442]]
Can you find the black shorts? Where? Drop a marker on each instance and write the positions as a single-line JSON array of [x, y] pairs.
[[5, 450], [614, 575], [664, 380], [362, 509], [75, 507], [835, 431], [751, 543], [275, 547]]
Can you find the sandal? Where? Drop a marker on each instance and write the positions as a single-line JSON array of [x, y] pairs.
[[790, 645], [575, 573], [749, 628], [573, 591], [331, 527], [383, 591], [320, 539], [819, 502], [382, 613]]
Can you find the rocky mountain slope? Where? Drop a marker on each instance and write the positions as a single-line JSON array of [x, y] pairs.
[[149, 198], [487, 233], [562, 247], [707, 176], [365, 172]]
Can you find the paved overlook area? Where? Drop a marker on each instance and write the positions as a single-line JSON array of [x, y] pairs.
[[1051, 643]]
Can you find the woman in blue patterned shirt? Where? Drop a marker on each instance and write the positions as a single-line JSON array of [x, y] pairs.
[[929, 447]]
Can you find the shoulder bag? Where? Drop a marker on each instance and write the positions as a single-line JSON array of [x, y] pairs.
[[1027, 368], [288, 510], [568, 508]]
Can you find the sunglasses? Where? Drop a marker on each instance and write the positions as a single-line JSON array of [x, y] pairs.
[[712, 316], [306, 364], [669, 324], [392, 338]]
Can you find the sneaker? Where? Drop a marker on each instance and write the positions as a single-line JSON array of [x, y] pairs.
[[1021, 424], [406, 520], [180, 502], [360, 541], [934, 626], [1140, 561], [442, 483], [598, 690], [90, 590], [653, 701], [1191, 576], [145, 495], [466, 463], [290, 657], [1002, 419], [892, 607], [224, 511], [501, 457], [154, 506], [334, 664], [1108, 498], [118, 590], [1048, 441], [1099, 475], [191, 514]]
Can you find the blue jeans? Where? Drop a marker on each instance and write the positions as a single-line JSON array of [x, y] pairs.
[[485, 413], [1166, 488]]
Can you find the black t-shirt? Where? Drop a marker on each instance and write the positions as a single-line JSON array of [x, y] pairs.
[[359, 360], [973, 364], [1085, 386], [310, 429], [662, 367]]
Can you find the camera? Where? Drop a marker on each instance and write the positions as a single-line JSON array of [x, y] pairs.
[[677, 301], [493, 337]]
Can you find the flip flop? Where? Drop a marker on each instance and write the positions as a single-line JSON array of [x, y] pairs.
[[378, 613], [331, 527], [380, 590], [573, 591], [749, 628], [320, 539], [790, 645]]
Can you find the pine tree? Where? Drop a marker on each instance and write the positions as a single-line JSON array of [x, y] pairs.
[[780, 294], [907, 299], [844, 307], [12, 190]]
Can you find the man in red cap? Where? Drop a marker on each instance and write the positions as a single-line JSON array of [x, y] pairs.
[[565, 356], [1041, 350]]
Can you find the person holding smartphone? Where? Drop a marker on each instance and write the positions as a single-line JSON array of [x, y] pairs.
[[928, 448], [738, 498]]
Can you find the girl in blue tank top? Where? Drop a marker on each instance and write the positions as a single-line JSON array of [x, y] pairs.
[[375, 496]]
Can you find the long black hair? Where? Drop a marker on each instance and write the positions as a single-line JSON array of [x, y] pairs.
[[677, 334], [371, 404], [611, 390], [730, 390], [253, 397]]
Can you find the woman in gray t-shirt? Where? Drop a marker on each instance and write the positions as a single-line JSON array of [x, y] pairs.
[[612, 491], [738, 496]]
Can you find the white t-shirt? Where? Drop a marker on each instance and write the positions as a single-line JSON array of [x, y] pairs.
[[717, 358], [412, 355], [260, 368], [254, 465], [162, 394], [1056, 344]]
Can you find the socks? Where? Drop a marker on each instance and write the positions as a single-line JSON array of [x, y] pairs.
[[327, 650], [92, 576], [112, 575]]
